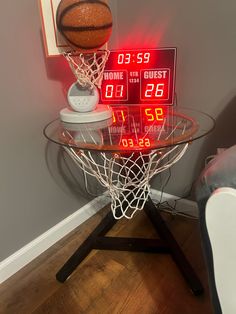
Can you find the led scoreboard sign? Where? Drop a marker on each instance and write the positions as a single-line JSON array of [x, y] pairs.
[[139, 77], [139, 85]]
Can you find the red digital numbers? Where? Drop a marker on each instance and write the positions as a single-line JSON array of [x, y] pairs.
[[138, 126], [138, 77], [155, 84], [114, 91], [136, 58], [114, 87], [154, 114], [141, 142], [119, 116], [154, 90], [124, 58]]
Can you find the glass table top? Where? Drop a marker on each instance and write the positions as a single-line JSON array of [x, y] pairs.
[[133, 128]]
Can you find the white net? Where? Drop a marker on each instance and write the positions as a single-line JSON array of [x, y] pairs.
[[127, 176], [88, 68]]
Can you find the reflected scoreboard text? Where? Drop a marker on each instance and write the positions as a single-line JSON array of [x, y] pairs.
[[139, 126]]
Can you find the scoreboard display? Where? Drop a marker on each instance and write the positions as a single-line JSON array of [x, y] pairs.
[[139, 77]]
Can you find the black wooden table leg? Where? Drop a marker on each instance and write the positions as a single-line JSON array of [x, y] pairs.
[[175, 250], [86, 247], [131, 245], [166, 244]]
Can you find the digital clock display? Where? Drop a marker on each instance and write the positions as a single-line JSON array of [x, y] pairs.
[[139, 77]]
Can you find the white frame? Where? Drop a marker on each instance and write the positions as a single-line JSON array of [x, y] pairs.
[[54, 43]]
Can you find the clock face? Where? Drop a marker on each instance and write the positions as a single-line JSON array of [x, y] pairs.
[[139, 77]]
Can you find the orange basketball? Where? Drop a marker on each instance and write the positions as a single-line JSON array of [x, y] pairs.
[[86, 25]]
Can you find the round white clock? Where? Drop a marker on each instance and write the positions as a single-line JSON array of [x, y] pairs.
[[82, 99]]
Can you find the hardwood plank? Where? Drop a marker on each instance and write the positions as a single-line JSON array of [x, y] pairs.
[[38, 278], [111, 281], [83, 291]]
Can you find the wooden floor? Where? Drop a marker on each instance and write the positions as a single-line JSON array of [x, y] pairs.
[[110, 281]]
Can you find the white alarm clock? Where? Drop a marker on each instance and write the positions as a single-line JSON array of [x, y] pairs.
[[82, 99], [84, 106]]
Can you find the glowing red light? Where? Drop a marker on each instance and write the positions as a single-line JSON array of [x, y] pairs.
[[141, 142], [143, 76], [113, 117], [119, 91], [127, 142], [114, 87], [144, 142], [154, 114], [137, 58], [114, 92], [119, 116], [154, 90], [155, 84], [122, 115]]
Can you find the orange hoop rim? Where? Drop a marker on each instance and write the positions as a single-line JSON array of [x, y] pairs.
[[173, 141]]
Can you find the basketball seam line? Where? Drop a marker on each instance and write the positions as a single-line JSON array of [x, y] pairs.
[[84, 47], [63, 13], [85, 28]]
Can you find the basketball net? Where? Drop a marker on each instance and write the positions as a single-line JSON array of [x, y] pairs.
[[127, 175], [88, 68], [127, 178]]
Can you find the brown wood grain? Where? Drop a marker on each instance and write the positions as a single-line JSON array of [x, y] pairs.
[[111, 281]]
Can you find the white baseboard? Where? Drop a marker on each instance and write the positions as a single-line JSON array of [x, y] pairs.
[[29, 252], [21, 258]]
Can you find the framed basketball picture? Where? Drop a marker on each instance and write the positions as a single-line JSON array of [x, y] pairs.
[[54, 43]]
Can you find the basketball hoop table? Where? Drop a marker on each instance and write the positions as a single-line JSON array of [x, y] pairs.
[[124, 153]]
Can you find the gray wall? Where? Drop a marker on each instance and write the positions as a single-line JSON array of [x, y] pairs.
[[36, 188], [204, 34]]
